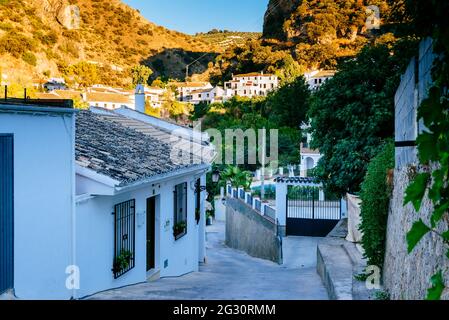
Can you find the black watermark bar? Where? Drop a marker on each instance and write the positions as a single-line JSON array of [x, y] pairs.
[[175, 309]]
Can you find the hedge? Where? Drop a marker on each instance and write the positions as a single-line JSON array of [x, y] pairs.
[[375, 195]]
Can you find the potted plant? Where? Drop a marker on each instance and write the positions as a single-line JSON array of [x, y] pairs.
[[179, 228], [208, 218], [122, 261]]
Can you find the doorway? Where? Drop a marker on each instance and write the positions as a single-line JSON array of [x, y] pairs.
[[151, 233], [6, 214]]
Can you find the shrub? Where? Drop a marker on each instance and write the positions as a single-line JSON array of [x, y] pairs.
[[29, 58], [375, 195], [16, 44]]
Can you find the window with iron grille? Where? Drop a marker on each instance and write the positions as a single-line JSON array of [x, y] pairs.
[[124, 239], [180, 210], [198, 201]]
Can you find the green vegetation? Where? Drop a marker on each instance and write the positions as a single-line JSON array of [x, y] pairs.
[[255, 56], [83, 73], [375, 195], [29, 58], [352, 113], [244, 113], [429, 19], [237, 177], [226, 38], [140, 74], [16, 44]]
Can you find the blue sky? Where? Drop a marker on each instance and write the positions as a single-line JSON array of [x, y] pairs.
[[191, 16]]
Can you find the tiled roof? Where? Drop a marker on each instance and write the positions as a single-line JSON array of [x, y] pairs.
[[68, 94], [120, 152], [323, 73], [296, 180], [107, 97], [49, 95], [190, 84], [253, 74]]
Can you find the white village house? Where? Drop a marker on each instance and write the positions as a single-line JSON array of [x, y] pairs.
[[251, 85], [185, 89], [209, 95], [316, 78], [100, 199], [309, 157]]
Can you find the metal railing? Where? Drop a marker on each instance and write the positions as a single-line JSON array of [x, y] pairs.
[[242, 194]]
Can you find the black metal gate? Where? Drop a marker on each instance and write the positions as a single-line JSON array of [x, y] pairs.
[[6, 214], [308, 214]]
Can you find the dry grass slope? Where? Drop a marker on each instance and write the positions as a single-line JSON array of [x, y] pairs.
[[34, 40]]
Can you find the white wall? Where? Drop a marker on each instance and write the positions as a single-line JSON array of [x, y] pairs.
[[43, 197], [95, 237]]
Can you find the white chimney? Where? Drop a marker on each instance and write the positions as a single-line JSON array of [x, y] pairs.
[[139, 101]]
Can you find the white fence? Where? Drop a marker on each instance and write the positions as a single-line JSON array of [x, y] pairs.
[[254, 202]]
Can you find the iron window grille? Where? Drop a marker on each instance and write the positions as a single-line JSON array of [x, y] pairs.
[[124, 237], [180, 210]]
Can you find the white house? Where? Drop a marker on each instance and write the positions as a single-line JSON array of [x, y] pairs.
[[108, 100], [155, 96], [309, 157], [55, 84], [209, 95], [101, 200], [184, 89], [316, 78], [37, 189], [251, 85]]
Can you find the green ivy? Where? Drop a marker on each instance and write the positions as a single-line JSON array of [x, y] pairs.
[[433, 144]]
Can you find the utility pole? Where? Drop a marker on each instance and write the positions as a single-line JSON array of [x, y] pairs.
[[188, 65]]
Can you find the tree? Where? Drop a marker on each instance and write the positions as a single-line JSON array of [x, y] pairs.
[[140, 74], [288, 106], [237, 177], [83, 73], [352, 113]]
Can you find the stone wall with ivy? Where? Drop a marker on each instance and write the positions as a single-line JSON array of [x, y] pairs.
[[407, 276]]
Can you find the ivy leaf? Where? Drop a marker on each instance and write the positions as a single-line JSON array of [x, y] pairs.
[[416, 190], [426, 146], [438, 213], [445, 236], [418, 230], [434, 293]]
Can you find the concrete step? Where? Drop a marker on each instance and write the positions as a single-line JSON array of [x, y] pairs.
[[336, 269]]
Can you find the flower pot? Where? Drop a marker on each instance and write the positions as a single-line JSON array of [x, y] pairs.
[[209, 221]]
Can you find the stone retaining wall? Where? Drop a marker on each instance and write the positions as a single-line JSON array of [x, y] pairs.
[[251, 232], [407, 276]]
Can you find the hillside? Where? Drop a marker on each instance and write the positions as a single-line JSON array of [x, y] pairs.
[[321, 32], [40, 38], [224, 38]]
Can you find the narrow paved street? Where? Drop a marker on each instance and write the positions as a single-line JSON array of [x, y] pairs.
[[232, 274]]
